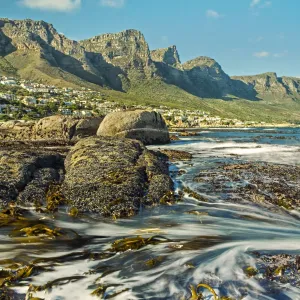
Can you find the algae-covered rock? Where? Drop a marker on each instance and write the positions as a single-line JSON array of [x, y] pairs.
[[113, 177], [145, 126], [25, 174]]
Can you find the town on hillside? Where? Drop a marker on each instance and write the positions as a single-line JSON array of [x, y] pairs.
[[26, 100]]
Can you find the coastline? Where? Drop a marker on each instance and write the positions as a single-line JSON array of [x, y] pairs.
[[175, 129]]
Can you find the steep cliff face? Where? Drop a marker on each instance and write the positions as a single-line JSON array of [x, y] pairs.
[[126, 56], [264, 83], [36, 35], [292, 84], [127, 49], [123, 62], [168, 56], [270, 85], [36, 47], [209, 78]]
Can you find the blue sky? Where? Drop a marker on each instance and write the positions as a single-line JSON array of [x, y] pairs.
[[245, 36]]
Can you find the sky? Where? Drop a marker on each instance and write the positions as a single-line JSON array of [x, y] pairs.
[[245, 37]]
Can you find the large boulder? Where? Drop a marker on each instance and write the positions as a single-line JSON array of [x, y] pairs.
[[87, 127], [55, 127], [114, 177], [145, 126], [50, 128], [16, 130]]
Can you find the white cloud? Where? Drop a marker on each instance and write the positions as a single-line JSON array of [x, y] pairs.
[[113, 3], [261, 54], [282, 54], [212, 14], [266, 4], [260, 4], [54, 5], [254, 3]]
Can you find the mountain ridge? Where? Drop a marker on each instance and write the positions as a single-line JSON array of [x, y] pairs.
[[123, 62]]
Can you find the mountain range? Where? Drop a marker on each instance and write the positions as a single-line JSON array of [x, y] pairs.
[[123, 65]]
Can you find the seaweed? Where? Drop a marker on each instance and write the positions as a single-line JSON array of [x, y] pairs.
[[153, 262], [8, 277], [193, 194], [31, 297], [168, 199], [55, 282], [250, 271], [116, 294], [54, 198], [135, 243], [12, 216], [175, 155], [39, 231], [99, 291], [73, 212], [197, 213], [198, 295]]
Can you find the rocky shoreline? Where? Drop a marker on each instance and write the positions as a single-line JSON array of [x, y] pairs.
[[114, 177], [107, 173]]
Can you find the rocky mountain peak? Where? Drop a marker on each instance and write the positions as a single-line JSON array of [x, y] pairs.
[[122, 61], [168, 55], [267, 82], [126, 49], [202, 62], [37, 35]]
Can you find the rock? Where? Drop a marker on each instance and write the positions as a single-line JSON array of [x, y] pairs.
[[87, 127], [16, 130], [175, 155], [55, 128], [269, 83], [52, 128], [36, 189], [145, 126], [125, 57], [38, 45], [27, 173], [34, 50], [174, 137], [187, 133], [168, 55], [208, 76], [114, 177]]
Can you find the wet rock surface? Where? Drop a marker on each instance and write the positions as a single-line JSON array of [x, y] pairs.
[[27, 170], [214, 244], [114, 177], [280, 268], [269, 185], [145, 126], [25, 176], [175, 155], [110, 176]]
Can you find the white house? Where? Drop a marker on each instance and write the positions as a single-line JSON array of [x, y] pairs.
[[7, 97], [65, 111], [8, 82], [2, 106], [82, 113], [29, 101]]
